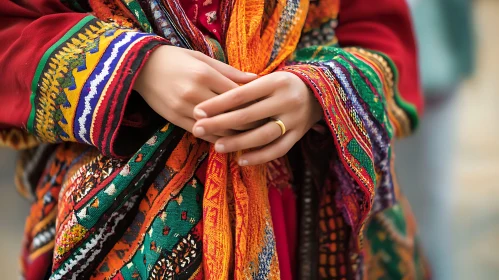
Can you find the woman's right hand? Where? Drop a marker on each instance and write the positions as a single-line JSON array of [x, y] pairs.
[[174, 80]]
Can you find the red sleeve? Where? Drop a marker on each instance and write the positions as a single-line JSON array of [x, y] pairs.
[[358, 79], [384, 26], [26, 32], [68, 76]]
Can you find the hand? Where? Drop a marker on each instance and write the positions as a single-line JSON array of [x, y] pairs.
[[280, 95], [174, 80]]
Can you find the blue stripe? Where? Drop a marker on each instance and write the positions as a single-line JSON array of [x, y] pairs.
[[98, 79]]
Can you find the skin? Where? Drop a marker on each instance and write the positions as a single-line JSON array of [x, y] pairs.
[[191, 78], [238, 119]]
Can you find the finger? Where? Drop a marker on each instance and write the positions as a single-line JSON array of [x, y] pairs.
[[226, 133], [187, 124], [212, 139], [189, 108], [184, 118], [217, 82], [228, 71], [274, 150], [251, 125], [258, 111], [251, 139], [235, 98], [197, 95]]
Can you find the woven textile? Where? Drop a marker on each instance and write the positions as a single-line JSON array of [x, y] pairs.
[[118, 193]]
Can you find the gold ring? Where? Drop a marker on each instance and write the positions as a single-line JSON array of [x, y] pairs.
[[281, 125]]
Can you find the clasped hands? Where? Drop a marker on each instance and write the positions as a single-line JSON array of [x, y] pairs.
[[227, 107]]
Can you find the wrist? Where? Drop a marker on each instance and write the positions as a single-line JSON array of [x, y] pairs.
[[315, 107], [140, 83]]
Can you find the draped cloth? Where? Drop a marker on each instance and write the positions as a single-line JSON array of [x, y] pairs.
[[250, 45], [121, 195]]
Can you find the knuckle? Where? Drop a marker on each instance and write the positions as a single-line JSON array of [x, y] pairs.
[[268, 135], [200, 73], [175, 104], [296, 98], [283, 79], [237, 98], [193, 52], [187, 92], [241, 118]]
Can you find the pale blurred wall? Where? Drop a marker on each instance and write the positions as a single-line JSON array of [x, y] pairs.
[[475, 201], [425, 161], [13, 210], [467, 221]]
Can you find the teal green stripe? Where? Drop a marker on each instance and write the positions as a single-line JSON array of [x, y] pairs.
[[390, 265], [139, 14], [105, 201], [376, 108], [74, 5], [121, 182], [364, 160], [408, 107], [142, 261], [43, 62]]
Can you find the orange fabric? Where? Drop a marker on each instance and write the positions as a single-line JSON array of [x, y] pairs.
[[183, 160], [249, 46]]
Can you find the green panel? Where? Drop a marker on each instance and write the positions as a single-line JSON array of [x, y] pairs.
[[365, 162], [187, 202]]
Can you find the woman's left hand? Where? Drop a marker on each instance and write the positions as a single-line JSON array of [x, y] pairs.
[[280, 95]]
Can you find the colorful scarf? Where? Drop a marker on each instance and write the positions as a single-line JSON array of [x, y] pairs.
[[260, 35], [250, 47], [102, 214]]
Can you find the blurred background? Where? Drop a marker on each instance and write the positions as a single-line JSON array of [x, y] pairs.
[[448, 169]]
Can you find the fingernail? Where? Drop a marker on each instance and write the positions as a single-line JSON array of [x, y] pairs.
[[243, 162], [251, 74], [219, 148], [199, 131], [200, 113]]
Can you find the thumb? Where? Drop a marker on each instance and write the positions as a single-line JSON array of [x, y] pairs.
[[228, 71]]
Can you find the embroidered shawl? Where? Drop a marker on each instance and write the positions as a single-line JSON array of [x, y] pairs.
[[119, 197]]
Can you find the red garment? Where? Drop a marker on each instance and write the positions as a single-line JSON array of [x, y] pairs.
[[31, 30], [204, 14], [29, 27], [282, 201], [284, 218], [26, 32], [384, 27]]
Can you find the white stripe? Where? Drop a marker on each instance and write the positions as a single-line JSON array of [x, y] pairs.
[[99, 79]]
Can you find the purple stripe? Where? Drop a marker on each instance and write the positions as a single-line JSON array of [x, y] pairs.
[[93, 87]]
